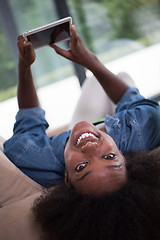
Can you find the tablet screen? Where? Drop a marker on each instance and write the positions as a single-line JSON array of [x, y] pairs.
[[54, 34]]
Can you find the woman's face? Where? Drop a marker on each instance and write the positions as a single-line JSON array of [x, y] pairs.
[[94, 164]]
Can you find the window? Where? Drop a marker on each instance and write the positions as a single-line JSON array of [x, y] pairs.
[[32, 14], [124, 35], [115, 28], [8, 78]]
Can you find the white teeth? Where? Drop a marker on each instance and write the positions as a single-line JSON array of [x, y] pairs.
[[85, 135]]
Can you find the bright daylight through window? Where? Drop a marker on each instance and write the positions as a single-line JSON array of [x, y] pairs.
[[124, 35]]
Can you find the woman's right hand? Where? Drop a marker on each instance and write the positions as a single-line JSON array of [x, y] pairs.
[[78, 52]]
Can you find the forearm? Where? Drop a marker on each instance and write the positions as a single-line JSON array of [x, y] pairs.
[[26, 91], [78, 53]]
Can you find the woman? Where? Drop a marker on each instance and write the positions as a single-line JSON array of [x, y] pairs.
[[131, 212]]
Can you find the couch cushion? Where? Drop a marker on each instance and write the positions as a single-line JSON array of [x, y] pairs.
[[17, 221], [14, 184]]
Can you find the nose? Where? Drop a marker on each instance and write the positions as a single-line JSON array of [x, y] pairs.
[[90, 147]]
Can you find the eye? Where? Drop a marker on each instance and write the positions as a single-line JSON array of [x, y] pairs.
[[80, 167], [109, 156]]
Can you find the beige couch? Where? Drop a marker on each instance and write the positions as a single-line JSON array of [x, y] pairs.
[[17, 193]]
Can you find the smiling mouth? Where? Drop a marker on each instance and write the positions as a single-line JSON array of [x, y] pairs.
[[86, 137]]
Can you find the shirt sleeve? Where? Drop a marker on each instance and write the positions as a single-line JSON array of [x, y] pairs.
[[132, 99], [136, 123], [33, 152], [30, 120]]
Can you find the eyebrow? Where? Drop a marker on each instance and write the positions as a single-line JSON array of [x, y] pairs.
[[84, 175], [114, 166], [88, 172]]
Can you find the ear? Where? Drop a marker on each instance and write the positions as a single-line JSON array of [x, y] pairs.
[[66, 179]]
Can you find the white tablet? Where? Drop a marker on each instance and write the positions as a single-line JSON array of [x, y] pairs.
[[54, 32]]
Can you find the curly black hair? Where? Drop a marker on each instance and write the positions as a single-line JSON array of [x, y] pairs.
[[130, 213]]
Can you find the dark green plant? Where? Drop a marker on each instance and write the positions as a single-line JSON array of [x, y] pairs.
[[122, 16], [83, 27]]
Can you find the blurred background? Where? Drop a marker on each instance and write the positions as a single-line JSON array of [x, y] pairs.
[[125, 35]]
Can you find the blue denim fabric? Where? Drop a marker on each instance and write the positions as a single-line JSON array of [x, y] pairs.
[[38, 156], [135, 126]]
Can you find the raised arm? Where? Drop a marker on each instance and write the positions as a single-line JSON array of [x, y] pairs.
[[26, 91], [78, 53]]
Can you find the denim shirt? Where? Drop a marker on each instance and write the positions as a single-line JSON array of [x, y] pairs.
[[136, 123], [135, 126], [33, 152]]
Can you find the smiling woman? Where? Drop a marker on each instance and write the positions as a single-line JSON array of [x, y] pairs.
[[93, 155], [94, 164], [100, 182], [131, 212]]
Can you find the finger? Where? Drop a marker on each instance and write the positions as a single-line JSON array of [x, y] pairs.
[[58, 49], [20, 40], [28, 49], [62, 52], [73, 30], [27, 44], [20, 37], [75, 38], [74, 35], [25, 47], [20, 45]]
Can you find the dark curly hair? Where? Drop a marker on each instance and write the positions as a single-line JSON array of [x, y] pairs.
[[130, 213]]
